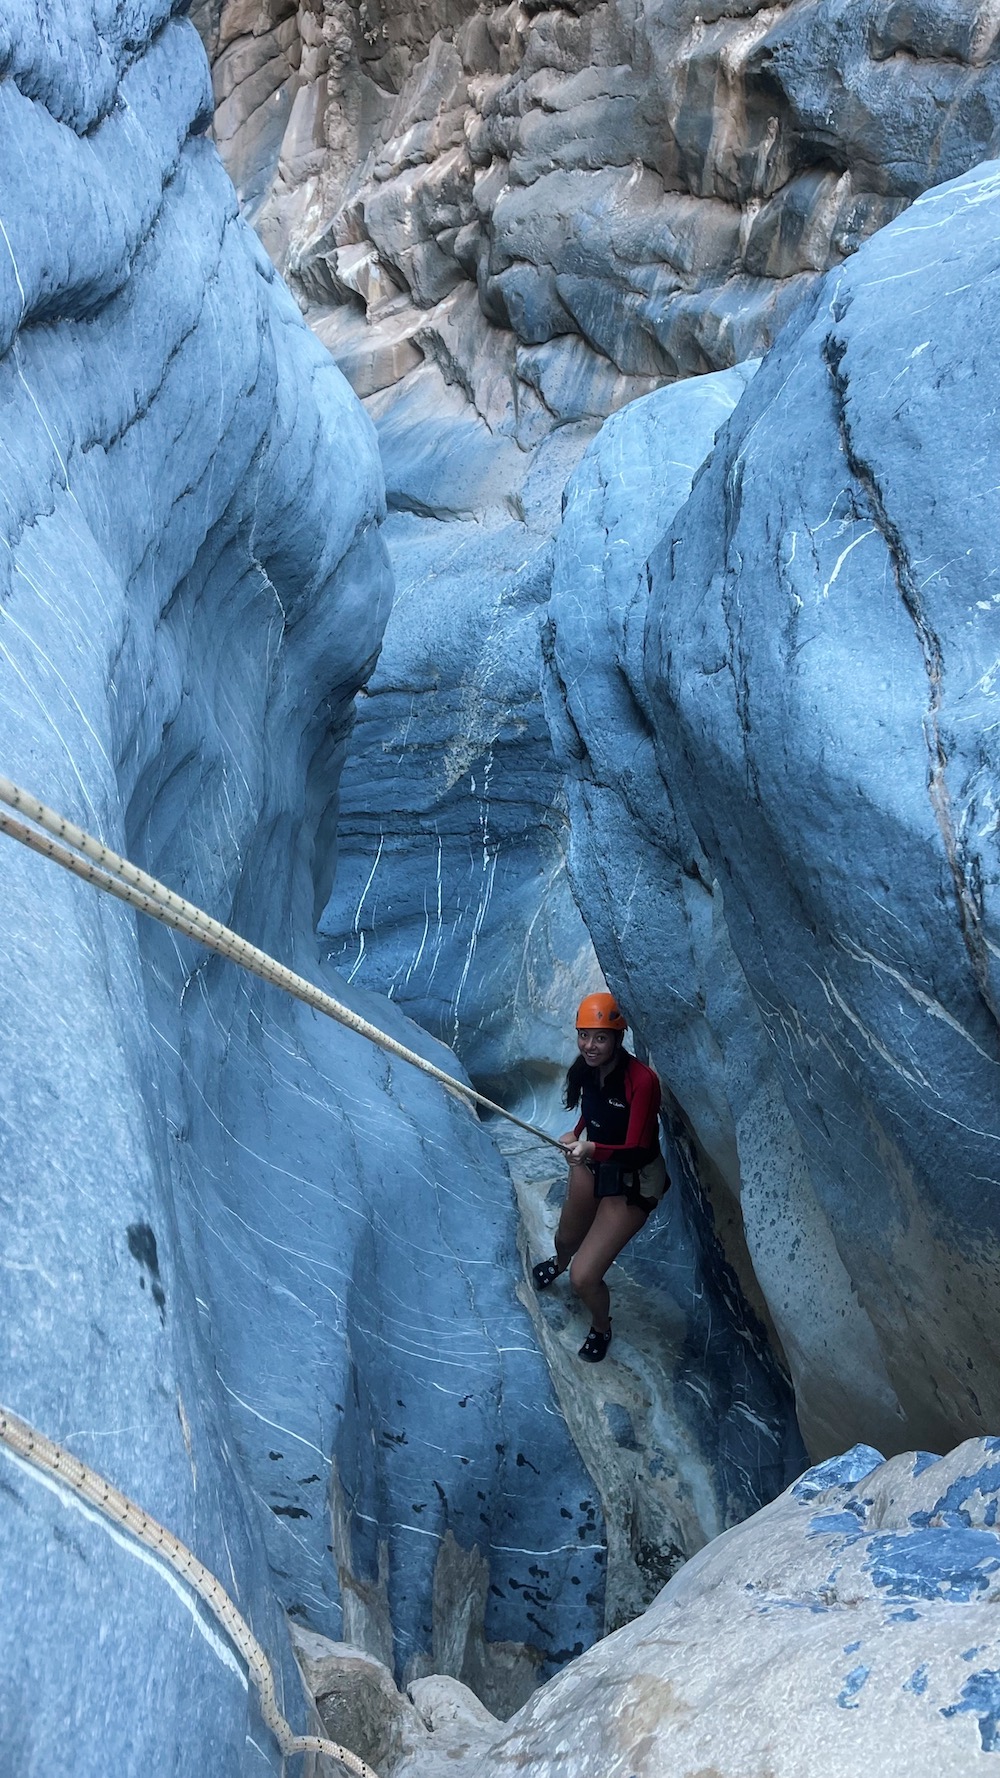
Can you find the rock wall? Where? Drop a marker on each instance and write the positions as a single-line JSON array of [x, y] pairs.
[[562, 207], [252, 1272], [821, 648], [791, 737], [657, 912], [551, 213], [849, 1624], [451, 893]]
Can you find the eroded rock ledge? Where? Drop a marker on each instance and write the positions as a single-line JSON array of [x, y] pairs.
[[847, 1627], [562, 206]]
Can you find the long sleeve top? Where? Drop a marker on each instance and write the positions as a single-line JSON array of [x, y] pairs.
[[621, 1116]]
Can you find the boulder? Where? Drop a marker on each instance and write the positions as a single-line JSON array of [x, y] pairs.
[[431, 1725], [847, 1626], [821, 647]]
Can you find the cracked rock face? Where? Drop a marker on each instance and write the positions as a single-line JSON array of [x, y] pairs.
[[656, 909], [849, 1624], [250, 1271], [563, 206], [451, 894], [821, 652]]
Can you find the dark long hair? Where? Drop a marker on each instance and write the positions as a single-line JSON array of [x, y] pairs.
[[578, 1071]]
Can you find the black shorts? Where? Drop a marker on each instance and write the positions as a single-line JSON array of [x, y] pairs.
[[642, 1188]]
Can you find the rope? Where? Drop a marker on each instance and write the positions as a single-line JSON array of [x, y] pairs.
[[35, 1448], [78, 852], [116, 876]]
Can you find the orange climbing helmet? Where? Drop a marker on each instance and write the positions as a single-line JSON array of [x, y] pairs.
[[599, 1012]]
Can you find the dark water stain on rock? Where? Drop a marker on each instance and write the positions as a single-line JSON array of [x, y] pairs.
[[142, 1247]]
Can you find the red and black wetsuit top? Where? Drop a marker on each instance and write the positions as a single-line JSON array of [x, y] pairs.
[[621, 1116]]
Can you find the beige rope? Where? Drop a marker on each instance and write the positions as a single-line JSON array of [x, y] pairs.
[[79, 852], [35, 1448], [116, 876]]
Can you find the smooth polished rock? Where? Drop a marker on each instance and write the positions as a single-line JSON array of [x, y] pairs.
[[821, 660], [239, 1249], [848, 1626], [451, 894], [656, 910]]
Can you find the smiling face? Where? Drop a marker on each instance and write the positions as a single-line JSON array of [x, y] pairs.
[[597, 1047]]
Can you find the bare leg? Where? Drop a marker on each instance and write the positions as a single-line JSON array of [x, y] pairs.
[[578, 1212], [612, 1227]]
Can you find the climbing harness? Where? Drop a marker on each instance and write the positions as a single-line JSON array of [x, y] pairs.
[[116, 876], [79, 852], [25, 1442]]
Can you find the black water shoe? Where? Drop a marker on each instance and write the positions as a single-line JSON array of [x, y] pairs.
[[546, 1272], [595, 1346]]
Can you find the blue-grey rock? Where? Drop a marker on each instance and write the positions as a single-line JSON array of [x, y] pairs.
[[821, 653], [639, 877], [850, 1623], [451, 893], [656, 912], [255, 1274]]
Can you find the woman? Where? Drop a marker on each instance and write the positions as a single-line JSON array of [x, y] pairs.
[[616, 1171]]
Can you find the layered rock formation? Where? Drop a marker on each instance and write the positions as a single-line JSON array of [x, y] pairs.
[[255, 1274], [561, 207]]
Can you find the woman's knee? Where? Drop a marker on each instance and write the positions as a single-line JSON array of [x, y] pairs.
[[583, 1274]]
